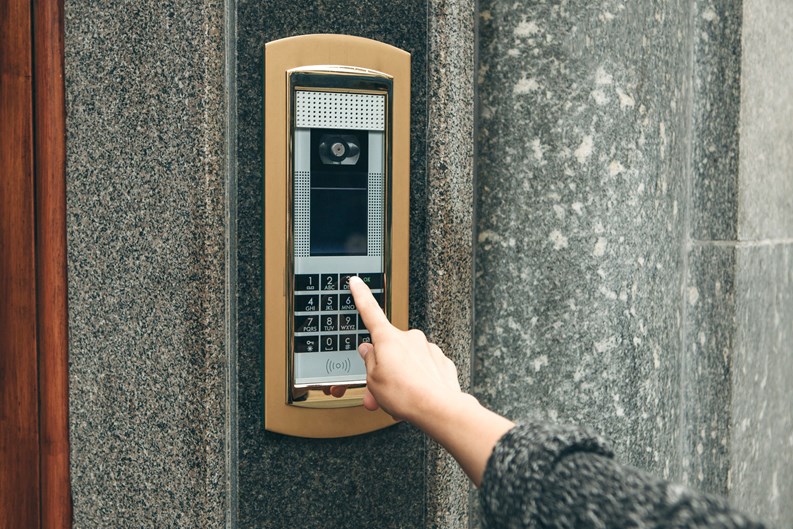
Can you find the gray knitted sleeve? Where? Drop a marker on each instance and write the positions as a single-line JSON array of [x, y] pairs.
[[552, 476]]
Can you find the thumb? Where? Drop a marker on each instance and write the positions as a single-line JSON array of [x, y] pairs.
[[366, 350]]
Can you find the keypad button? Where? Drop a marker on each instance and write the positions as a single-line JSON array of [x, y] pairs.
[[307, 323], [347, 342], [364, 338], [346, 302], [330, 281], [330, 302], [329, 323], [373, 280], [379, 297], [306, 303], [307, 282], [329, 343], [347, 322], [344, 281], [306, 344], [360, 323]]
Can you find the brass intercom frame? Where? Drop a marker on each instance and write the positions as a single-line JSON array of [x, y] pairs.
[[320, 415]]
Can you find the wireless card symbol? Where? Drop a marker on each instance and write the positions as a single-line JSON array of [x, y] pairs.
[[334, 366]]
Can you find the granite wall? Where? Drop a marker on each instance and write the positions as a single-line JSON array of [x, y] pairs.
[[633, 238], [146, 242], [165, 243], [634, 233]]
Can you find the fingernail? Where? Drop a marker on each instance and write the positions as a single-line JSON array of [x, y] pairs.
[[355, 279]]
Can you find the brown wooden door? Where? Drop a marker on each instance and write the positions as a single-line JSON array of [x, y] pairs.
[[34, 450]]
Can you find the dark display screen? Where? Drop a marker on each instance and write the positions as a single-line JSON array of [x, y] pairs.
[[339, 175]]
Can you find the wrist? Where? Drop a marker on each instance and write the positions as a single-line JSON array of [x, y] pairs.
[[444, 408]]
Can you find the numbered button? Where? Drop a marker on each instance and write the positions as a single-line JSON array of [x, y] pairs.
[[306, 324], [306, 344], [347, 322], [306, 303], [329, 323], [307, 282], [347, 342], [330, 301], [330, 281], [346, 302], [373, 280], [344, 279], [364, 338], [329, 343]]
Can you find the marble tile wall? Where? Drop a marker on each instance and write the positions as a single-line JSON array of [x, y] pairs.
[[633, 214], [582, 204]]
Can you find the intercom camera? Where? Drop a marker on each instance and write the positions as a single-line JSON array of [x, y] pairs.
[[336, 189]]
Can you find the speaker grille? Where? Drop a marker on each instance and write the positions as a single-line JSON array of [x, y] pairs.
[[302, 213], [340, 110], [375, 246]]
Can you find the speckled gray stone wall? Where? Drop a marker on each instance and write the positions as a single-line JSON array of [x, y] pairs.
[[761, 469], [761, 455], [145, 183], [634, 233], [158, 327], [581, 218], [396, 477], [765, 203], [284, 481]]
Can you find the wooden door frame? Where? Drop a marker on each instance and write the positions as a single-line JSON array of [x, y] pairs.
[[34, 426]]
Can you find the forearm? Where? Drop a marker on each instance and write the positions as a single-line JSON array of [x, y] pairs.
[[560, 477], [616, 495], [466, 429]]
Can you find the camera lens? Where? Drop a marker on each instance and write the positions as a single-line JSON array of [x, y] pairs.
[[338, 149]]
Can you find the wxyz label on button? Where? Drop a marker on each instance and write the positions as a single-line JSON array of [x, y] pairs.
[[336, 366]]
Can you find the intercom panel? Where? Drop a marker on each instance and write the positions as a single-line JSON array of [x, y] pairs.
[[336, 205]]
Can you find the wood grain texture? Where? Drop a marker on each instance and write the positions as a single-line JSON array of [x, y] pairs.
[[50, 158], [19, 442]]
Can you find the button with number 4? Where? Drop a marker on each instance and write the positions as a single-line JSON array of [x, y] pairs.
[[306, 303]]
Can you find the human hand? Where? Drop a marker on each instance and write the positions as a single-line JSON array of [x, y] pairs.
[[405, 373]]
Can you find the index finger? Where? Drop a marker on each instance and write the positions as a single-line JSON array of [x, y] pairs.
[[372, 315]]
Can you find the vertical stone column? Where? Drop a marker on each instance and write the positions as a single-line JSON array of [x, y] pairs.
[[634, 233], [394, 477], [761, 426], [582, 206], [145, 183], [449, 239]]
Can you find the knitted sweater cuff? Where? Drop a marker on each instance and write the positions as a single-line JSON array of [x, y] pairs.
[[521, 461]]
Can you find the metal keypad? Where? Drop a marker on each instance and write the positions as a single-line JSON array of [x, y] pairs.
[[325, 318]]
